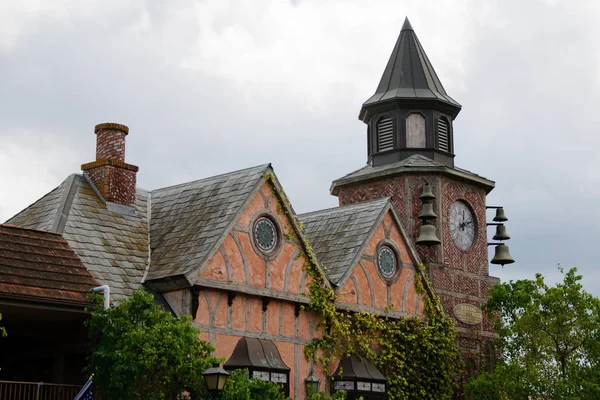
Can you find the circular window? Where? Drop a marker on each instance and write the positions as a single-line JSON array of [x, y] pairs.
[[387, 261], [265, 234]]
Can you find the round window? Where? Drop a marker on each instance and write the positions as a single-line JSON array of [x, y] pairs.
[[265, 234], [387, 261]]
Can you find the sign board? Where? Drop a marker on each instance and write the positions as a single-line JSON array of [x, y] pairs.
[[468, 313]]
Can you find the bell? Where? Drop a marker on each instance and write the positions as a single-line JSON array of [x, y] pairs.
[[427, 236], [500, 217], [427, 193], [501, 233], [427, 212], [502, 256]]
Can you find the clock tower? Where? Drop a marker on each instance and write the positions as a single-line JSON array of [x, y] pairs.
[[410, 144]]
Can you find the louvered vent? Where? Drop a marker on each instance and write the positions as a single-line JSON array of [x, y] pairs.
[[443, 136], [385, 134]]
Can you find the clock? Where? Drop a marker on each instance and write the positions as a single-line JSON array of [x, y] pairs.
[[462, 225]]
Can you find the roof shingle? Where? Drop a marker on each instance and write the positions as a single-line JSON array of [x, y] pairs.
[[338, 234], [41, 265], [189, 219]]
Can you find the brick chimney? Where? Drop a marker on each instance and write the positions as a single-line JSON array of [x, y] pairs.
[[113, 177]]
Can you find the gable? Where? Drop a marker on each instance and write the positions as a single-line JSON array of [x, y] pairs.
[[338, 234], [367, 287], [189, 220], [239, 259]]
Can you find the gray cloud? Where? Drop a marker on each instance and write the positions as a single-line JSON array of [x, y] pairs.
[[207, 89]]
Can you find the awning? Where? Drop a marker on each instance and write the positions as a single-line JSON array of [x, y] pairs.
[[255, 353], [355, 368]]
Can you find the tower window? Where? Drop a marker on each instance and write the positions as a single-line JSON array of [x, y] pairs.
[[415, 131], [385, 134], [443, 134]]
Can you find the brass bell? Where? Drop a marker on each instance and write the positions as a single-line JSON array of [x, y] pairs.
[[500, 216], [427, 236], [427, 212], [501, 233], [502, 255], [427, 193]]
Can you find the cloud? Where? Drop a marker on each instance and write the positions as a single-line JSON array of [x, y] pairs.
[[212, 86]]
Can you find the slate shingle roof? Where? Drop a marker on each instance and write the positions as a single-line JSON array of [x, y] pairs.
[[41, 265], [338, 234], [189, 219], [113, 246], [41, 214], [409, 74], [415, 162]]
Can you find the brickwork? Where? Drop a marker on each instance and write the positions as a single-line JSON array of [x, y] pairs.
[[112, 176], [458, 276], [110, 141], [115, 184]]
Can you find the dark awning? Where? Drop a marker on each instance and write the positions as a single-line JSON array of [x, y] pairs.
[[355, 368], [256, 353]]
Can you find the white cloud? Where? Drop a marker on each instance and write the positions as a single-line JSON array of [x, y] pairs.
[[33, 163]]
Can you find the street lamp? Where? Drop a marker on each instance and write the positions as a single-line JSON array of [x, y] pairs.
[[312, 383], [215, 379]]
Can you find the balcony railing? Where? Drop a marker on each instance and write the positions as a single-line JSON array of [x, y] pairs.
[[13, 390]]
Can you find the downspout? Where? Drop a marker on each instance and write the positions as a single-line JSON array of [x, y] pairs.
[[105, 289]]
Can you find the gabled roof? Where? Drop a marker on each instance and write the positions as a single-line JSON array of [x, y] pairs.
[[338, 235], [112, 243], [189, 220], [409, 75], [414, 163], [41, 266]]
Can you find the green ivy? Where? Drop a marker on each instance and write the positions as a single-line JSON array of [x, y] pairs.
[[419, 356]]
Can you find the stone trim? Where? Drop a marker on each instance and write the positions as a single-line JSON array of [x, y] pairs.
[[114, 162], [111, 126]]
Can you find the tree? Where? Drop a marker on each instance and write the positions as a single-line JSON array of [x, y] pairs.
[[549, 341], [140, 351]]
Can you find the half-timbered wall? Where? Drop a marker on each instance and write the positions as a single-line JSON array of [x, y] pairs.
[[243, 292]]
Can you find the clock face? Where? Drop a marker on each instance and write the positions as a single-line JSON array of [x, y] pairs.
[[462, 225]]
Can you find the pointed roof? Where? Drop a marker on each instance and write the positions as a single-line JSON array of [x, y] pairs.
[[189, 220], [112, 242], [338, 234], [409, 75]]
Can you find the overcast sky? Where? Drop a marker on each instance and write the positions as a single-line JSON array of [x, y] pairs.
[[212, 86]]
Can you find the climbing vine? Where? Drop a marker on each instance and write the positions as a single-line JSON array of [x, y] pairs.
[[419, 356]]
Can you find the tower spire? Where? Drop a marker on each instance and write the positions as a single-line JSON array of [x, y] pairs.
[[409, 86]]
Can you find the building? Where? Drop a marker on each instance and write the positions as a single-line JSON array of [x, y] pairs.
[[229, 250], [43, 289]]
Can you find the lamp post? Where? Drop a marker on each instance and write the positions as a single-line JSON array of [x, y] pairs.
[[312, 383], [215, 378]]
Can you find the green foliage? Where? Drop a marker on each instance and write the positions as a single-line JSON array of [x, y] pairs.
[[419, 356], [2, 329], [549, 340], [140, 351], [339, 395], [240, 387]]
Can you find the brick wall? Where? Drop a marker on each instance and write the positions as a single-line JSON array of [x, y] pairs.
[[112, 176], [458, 276]]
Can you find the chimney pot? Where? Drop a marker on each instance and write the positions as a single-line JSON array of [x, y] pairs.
[[110, 141]]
